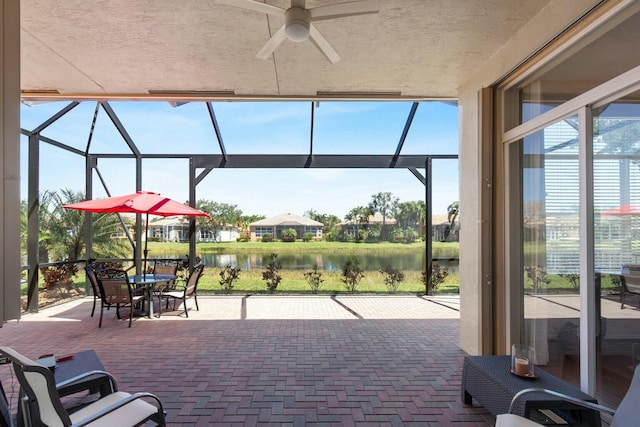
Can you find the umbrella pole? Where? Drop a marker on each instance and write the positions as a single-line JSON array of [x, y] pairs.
[[146, 239]]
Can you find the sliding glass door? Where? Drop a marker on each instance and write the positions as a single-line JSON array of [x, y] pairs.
[[616, 178], [549, 286]]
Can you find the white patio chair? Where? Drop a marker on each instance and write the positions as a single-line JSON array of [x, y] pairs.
[[45, 408], [627, 414]]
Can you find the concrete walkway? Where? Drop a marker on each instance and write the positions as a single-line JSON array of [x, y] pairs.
[[275, 360]]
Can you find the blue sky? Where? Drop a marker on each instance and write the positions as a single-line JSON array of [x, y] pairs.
[[253, 128]]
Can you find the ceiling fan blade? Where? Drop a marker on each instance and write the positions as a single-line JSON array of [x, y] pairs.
[[272, 44], [321, 43], [342, 10], [254, 5]]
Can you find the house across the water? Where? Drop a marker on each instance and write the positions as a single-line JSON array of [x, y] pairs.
[[276, 224]]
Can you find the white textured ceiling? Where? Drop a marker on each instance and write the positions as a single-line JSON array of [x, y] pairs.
[[111, 48]]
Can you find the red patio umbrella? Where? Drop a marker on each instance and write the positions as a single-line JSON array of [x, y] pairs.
[[142, 202]]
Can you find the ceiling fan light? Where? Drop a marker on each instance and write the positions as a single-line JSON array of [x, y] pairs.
[[297, 32], [297, 23]]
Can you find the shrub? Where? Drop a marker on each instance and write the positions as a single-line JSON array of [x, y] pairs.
[[373, 234], [397, 235], [289, 235], [314, 278], [351, 274], [538, 277], [244, 237], [616, 281], [227, 276], [59, 275], [362, 234], [308, 236], [272, 275], [410, 235], [345, 237], [267, 238], [572, 278], [392, 278], [438, 276], [331, 236]]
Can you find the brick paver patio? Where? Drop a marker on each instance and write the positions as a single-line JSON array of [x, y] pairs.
[[276, 360]]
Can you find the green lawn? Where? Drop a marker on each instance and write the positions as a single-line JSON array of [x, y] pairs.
[[293, 280]]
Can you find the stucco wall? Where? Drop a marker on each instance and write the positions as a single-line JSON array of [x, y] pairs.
[[551, 20], [10, 161]]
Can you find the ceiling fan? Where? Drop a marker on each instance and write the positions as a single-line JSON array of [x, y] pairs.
[[298, 22]]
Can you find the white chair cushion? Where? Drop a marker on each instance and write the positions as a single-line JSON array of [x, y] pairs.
[[175, 294], [511, 420], [128, 415]]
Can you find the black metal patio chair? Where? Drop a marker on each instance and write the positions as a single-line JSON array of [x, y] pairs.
[[116, 290], [180, 294]]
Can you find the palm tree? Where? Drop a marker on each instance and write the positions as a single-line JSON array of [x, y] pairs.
[[360, 216], [63, 230], [245, 221], [385, 203], [452, 214], [410, 214]]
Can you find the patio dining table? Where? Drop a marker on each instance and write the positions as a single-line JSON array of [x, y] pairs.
[[148, 281]]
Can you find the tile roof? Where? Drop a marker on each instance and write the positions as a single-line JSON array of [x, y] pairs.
[[286, 219]]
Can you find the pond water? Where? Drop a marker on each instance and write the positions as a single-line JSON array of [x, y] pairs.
[[330, 261]]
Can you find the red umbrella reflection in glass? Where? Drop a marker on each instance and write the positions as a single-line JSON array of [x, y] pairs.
[[142, 202], [624, 210]]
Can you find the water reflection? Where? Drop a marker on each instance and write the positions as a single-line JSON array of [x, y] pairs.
[[326, 261]]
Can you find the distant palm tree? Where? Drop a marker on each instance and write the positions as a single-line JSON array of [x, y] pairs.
[[410, 214], [358, 216], [452, 212], [385, 203]]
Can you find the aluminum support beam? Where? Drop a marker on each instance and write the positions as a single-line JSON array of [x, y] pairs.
[[293, 161], [192, 219], [137, 250], [61, 145], [202, 175], [405, 132], [216, 128], [55, 117], [92, 129], [418, 175], [310, 156], [429, 225], [94, 165], [120, 127], [33, 223]]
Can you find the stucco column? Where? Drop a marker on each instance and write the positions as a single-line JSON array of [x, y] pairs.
[[471, 244], [482, 296], [10, 164]]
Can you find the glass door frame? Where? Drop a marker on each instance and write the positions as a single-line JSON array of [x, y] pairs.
[[581, 105]]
